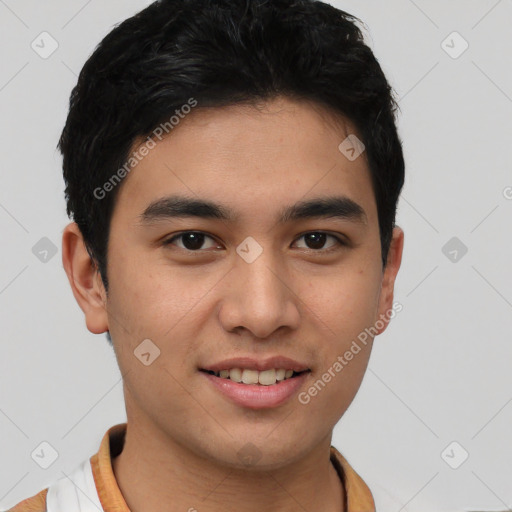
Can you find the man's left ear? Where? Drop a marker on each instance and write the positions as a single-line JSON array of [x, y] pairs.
[[388, 279]]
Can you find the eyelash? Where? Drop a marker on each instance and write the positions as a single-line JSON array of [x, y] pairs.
[[339, 242]]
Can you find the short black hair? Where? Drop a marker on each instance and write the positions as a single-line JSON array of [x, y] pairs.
[[220, 52]]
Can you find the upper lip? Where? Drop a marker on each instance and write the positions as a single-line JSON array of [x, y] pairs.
[[257, 364]]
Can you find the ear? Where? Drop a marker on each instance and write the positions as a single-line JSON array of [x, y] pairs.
[[85, 279], [389, 275]]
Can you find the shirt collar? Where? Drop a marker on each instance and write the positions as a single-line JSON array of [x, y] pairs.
[[358, 495]]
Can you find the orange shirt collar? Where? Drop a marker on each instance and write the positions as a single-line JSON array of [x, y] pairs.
[[358, 495]]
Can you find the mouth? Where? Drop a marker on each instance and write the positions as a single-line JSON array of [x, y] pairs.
[[257, 389], [250, 376]]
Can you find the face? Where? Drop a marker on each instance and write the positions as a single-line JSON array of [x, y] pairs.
[[234, 279]]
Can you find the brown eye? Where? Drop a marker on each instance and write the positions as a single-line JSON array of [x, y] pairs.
[[190, 240], [316, 240]]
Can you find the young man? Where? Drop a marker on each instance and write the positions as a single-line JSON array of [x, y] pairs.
[[233, 170]]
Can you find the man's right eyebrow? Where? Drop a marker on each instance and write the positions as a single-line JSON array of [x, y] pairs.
[[179, 207]]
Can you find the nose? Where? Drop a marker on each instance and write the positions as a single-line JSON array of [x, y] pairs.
[[259, 298]]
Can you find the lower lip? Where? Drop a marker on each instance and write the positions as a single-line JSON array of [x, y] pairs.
[[257, 396]]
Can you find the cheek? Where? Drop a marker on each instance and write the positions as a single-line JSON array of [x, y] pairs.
[[344, 316], [153, 297], [149, 315], [334, 387], [343, 312], [343, 303]]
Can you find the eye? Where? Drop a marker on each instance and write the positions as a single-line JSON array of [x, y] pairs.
[[316, 240], [191, 240]]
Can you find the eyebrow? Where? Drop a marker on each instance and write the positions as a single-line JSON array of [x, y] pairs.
[[340, 207]]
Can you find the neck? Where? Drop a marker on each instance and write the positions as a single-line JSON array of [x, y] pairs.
[[155, 473]]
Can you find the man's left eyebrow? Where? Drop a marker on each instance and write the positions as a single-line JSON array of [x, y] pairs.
[[340, 207]]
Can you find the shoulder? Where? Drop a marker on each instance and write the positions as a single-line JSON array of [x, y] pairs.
[[36, 503]]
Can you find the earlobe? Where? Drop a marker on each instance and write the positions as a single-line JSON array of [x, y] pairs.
[[84, 278], [388, 279]]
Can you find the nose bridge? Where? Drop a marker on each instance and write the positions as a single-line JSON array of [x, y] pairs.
[[263, 280], [260, 300]]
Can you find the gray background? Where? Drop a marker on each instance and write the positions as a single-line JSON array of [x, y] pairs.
[[439, 374]]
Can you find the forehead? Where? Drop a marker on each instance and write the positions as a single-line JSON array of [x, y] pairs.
[[252, 158]]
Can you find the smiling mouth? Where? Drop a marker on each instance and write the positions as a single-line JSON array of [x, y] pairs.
[[263, 378]]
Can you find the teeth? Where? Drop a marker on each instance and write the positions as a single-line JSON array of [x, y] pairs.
[[235, 374], [267, 377], [246, 376], [250, 377]]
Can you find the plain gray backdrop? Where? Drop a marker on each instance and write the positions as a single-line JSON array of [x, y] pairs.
[[430, 427]]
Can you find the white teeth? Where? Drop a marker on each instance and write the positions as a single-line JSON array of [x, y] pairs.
[[250, 376], [265, 377], [235, 374]]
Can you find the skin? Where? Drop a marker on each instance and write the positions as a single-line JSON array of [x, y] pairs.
[[201, 307]]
